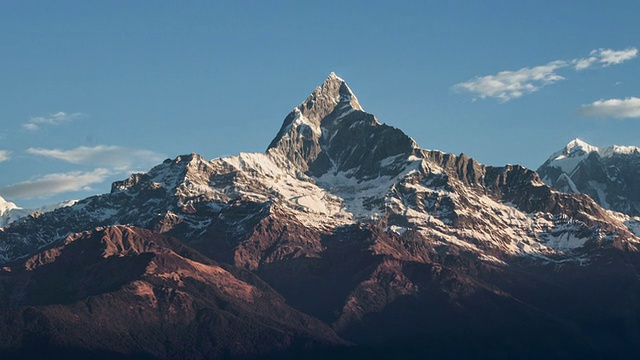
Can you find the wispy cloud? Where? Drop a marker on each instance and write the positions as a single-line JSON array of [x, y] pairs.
[[115, 157], [36, 122], [53, 184], [508, 85], [605, 57], [5, 155], [613, 108], [108, 161]]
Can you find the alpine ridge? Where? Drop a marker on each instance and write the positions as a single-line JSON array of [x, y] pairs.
[[8, 211], [351, 228], [608, 175]]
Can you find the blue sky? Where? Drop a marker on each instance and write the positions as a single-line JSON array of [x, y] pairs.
[[94, 90]]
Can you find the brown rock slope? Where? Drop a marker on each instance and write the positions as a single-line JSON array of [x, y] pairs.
[[123, 291]]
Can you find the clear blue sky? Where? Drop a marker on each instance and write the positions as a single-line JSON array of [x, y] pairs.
[[92, 90]]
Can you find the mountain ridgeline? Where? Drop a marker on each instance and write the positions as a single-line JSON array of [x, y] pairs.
[[343, 239], [611, 176]]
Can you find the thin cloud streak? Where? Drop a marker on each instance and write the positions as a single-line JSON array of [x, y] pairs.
[[508, 85], [108, 161], [52, 184], [605, 57], [116, 157], [612, 108], [35, 123]]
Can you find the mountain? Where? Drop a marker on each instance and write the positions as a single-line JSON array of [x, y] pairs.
[[611, 175], [403, 251], [123, 291], [10, 212]]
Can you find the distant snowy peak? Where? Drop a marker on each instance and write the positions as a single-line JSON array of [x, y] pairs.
[[577, 150], [10, 212], [570, 156], [619, 150], [333, 165], [610, 175], [6, 206], [578, 147]]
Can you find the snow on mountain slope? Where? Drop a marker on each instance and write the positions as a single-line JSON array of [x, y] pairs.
[[568, 158], [577, 151], [6, 205], [608, 175], [330, 166], [10, 212]]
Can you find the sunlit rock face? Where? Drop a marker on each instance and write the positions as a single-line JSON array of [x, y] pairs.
[[350, 231]]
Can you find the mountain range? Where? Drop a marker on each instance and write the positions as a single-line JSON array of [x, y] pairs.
[[10, 212], [343, 239]]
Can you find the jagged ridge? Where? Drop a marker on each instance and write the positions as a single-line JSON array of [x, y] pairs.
[[608, 175], [353, 223]]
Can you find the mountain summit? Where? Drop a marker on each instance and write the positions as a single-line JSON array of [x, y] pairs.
[[6, 205], [350, 228], [10, 212], [609, 175], [330, 131], [332, 164]]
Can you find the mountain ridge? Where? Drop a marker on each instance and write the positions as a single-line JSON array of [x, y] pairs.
[[608, 175], [352, 223]]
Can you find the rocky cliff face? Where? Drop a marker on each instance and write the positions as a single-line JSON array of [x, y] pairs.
[[351, 222]]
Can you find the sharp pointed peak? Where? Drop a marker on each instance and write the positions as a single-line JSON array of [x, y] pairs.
[[332, 75], [332, 97], [334, 90], [579, 144], [6, 205]]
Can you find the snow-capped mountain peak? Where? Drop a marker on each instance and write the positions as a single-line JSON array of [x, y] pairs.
[[578, 147], [6, 206], [609, 174], [571, 155], [619, 150], [330, 131], [10, 212], [344, 93], [332, 165]]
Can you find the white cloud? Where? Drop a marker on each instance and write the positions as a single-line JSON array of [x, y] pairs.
[[57, 183], [61, 117], [108, 160], [116, 157], [585, 63], [605, 57], [5, 155], [615, 108], [613, 57], [508, 85]]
